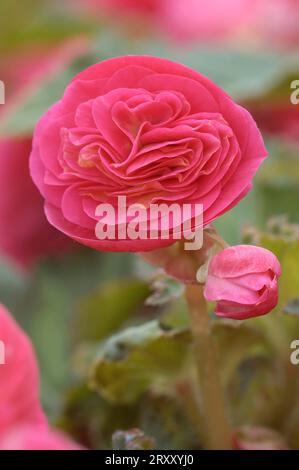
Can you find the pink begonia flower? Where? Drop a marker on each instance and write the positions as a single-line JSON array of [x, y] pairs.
[[149, 129], [30, 66], [23, 424], [243, 280], [201, 20], [19, 378], [133, 8], [274, 24], [279, 119], [25, 234], [258, 438], [277, 23], [32, 438]]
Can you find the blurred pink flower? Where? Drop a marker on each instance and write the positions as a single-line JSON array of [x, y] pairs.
[[144, 8], [201, 20], [25, 233], [243, 280], [23, 424], [29, 66], [31, 437], [19, 395], [271, 23], [277, 22], [258, 438], [278, 119], [149, 129]]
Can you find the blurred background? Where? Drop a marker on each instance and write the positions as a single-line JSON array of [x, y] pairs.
[[78, 305]]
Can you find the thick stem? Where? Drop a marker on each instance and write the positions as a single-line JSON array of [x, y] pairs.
[[218, 429]]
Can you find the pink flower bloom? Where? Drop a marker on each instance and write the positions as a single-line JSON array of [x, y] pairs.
[[279, 119], [30, 66], [243, 281], [19, 395], [23, 424], [199, 20], [146, 128], [26, 234], [143, 8], [32, 438], [258, 438], [277, 22]]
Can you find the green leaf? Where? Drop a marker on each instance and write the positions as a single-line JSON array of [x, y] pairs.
[[38, 22], [231, 224], [166, 418], [257, 394], [236, 342], [292, 307], [47, 305], [133, 439], [165, 290], [243, 74], [107, 309], [277, 184], [13, 284], [130, 362]]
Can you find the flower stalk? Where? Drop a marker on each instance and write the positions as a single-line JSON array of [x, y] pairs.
[[217, 426]]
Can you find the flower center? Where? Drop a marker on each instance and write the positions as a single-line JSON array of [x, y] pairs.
[[131, 140]]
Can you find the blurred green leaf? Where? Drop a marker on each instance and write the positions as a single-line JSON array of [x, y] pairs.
[[165, 290], [277, 184], [165, 418], [287, 251], [292, 307], [231, 224], [128, 363], [38, 22], [256, 393], [133, 439], [13, 284], [242, 74], [175, 315], [237, 342], [107, 309], [47, 305]]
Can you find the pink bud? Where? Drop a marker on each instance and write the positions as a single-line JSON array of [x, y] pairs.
[[258, 438], [243, 281]]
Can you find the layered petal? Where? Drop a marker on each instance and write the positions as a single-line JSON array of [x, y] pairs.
[[243, 280], [147, 129]]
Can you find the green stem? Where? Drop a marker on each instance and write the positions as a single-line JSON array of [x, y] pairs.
[[217, 425]]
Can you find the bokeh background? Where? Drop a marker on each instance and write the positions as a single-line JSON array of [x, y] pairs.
[[77, 304]]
